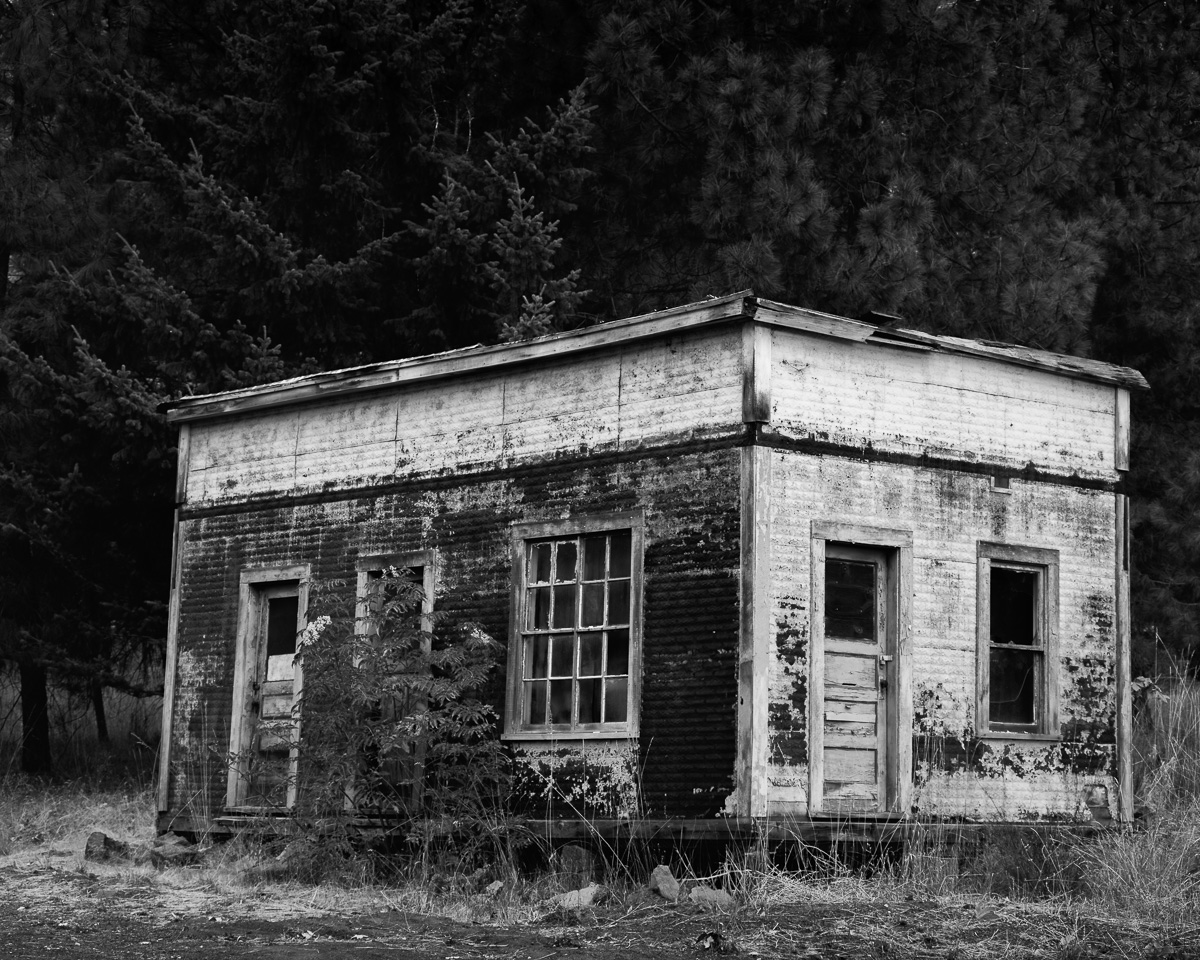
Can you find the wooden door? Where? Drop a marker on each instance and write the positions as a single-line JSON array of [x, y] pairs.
[[271, 726], [858, 650]]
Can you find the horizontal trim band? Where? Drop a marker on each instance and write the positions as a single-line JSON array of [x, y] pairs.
[[1029, 473], [750, 435]]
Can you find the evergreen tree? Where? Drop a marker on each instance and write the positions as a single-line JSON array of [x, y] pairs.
[[241, 188]]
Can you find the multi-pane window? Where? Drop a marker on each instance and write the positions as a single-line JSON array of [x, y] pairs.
[[576, 642], [1018, 613]]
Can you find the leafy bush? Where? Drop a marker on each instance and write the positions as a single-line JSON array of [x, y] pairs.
[[393, 733]]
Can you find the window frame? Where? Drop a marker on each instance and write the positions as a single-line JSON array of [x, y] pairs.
[[1045, 563], [521, 535], [256, 587]]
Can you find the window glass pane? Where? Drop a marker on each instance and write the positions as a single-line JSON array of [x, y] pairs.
[[620, 551], [560, 701], [564, 606], [537, 655], [565, 570], [589, 700], [593, 558], [615, 700], [593, 605], [1014, 606], [562, 661], [535, 702], [281, 625], [539, 563], [1013, 677], [537, 609], [850, 599], [591, 654], [618, 602], [618, 652]]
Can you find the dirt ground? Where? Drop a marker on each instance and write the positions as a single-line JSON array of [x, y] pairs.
[[53, 903]]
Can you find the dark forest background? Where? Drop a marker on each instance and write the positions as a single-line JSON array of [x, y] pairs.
[[204, 194]]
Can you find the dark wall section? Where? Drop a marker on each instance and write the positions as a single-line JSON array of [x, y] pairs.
[[689, 665]]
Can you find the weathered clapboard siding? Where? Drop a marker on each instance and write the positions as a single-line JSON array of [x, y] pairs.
[[948, 514], [941, 405], [691, 560], [662, 391]]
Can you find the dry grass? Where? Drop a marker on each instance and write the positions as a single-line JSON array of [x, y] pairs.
[[31, 815], [1108, 895]]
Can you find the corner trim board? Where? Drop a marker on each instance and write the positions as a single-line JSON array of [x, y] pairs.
[[754, 633], [1124, 732]]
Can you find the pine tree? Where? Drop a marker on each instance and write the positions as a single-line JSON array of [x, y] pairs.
[[217, 194]]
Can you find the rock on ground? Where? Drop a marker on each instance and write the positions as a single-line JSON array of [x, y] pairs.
[[711, 898], [580, 899], [101, 848], [664, 883]]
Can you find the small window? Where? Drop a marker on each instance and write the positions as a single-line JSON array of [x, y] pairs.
[[574, 657], [1018, 622]]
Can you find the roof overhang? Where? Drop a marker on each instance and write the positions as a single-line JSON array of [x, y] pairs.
[[737, 306]]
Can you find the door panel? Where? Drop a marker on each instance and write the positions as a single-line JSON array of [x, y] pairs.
[[854, 708]]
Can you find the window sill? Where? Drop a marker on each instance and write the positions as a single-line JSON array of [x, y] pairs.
[[241, 810], [567, 736], [1017, 736]]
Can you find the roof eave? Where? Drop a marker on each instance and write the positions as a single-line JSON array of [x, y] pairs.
[[377, 376]]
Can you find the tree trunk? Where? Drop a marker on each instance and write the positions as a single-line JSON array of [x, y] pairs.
[[98, 708], [35, 720]]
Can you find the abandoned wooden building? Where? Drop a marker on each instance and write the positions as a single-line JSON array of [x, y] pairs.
[[752, 563]]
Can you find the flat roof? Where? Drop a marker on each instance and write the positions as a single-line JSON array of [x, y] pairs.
[[742, 305]]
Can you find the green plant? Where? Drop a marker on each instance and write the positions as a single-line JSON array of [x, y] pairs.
[[394, 736]]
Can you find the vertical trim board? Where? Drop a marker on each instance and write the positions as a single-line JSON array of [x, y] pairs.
[[756, 373], [754, 641], [1124, 732], [1121, 439]]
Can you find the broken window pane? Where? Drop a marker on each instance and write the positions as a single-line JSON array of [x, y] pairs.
[[593, 605], [616, 707], [538, 609], [561, 662], [281, 625], [618, 602], [537, 656], [564, 606], [565, 570], [1014, 608], [535, 702], [593, 558], [560, 701], [618, 652], [591, 654], [850, 599], [589, 700], [1013, 679], [539, 563], [620, 554]]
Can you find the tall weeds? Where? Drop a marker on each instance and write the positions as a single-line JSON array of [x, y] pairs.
[[1155, 868]]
